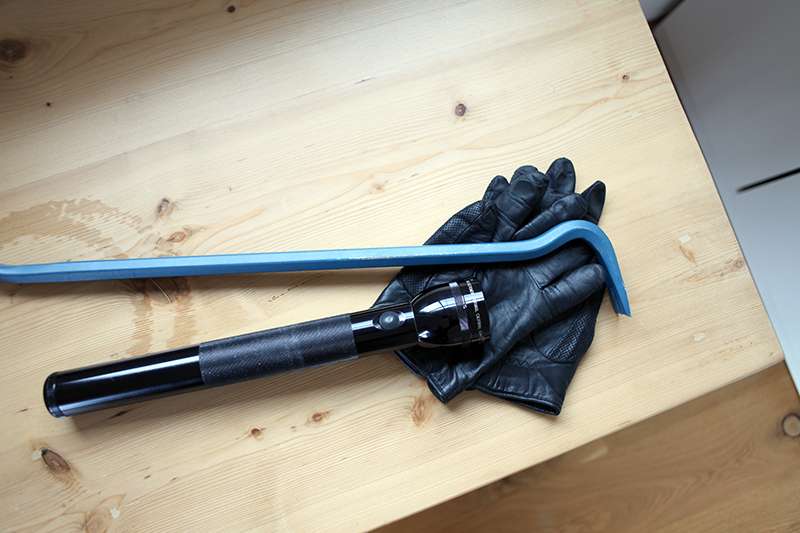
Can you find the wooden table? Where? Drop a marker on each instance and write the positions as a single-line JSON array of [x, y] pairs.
[[132, 129]]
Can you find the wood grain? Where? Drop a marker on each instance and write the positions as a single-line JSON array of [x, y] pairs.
[[723, 462], [151, 127]]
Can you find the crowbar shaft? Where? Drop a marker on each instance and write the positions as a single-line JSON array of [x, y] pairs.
[[435, 254]]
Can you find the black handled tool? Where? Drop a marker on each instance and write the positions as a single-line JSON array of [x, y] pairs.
[[445, 315]]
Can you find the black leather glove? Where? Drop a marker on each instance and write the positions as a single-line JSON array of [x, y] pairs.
[[542, 312]]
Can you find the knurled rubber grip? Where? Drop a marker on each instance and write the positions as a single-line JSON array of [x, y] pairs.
[[277, 350]]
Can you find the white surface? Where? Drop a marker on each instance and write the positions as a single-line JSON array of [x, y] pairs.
[[736, 66]]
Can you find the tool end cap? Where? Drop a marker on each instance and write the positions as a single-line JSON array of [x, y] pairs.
[[50, 396]]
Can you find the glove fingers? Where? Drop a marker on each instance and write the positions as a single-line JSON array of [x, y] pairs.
[[474, 223], [561, 182], [453, 230], [572, 207], [572, 290], [525, 170], [495, 189], [595, 197], [562, 176], [515, 204], [547, 270]]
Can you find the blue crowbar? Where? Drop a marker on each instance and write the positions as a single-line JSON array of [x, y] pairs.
[[435, 254]]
